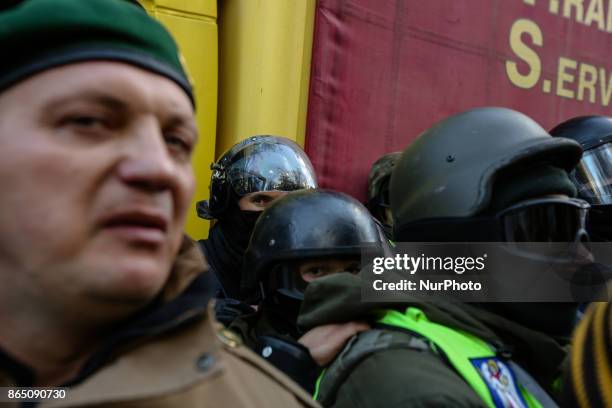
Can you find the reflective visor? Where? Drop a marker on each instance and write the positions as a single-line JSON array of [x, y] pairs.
[[545, 220], [269, 167], [593, 175]]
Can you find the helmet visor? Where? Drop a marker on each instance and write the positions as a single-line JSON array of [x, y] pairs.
[[593, 175], [545, 220], [270, 167]]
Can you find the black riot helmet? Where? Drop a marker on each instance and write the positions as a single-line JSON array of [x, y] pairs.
[[450, 169], [304, 225], [593, 175], [259, 163]]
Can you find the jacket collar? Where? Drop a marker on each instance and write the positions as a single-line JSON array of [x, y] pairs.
[[183, 299]]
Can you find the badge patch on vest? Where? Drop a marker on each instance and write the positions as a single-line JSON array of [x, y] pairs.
[[501, 382]]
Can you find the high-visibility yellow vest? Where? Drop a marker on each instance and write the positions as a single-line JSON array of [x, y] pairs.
[[471, 357]]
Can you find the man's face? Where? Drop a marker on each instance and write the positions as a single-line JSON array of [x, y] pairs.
[[96, 181]]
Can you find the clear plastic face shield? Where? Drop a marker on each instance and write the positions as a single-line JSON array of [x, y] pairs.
[[593, 175], [270, 167]]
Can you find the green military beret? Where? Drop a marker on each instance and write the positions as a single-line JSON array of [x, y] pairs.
[[36, 35]]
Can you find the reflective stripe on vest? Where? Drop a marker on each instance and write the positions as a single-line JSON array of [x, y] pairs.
[[459, 347], [315, 395]]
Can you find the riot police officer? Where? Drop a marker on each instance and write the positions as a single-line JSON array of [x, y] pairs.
[[245, 180], [489, 174], [593, 175], [300, 238]]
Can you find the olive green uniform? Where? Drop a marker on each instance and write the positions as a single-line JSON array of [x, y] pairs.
[[390, 367]]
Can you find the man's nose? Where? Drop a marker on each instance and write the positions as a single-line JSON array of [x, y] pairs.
[[148, 164]]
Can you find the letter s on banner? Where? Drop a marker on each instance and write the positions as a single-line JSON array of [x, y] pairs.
[[525, 53]]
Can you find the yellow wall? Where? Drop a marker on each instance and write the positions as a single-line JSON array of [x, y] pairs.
[[194, 25], [264, 59]]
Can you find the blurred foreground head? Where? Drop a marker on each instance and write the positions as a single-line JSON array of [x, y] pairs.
[[96, 135]]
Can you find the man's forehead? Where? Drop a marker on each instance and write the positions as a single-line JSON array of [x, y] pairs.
[[110, 83]]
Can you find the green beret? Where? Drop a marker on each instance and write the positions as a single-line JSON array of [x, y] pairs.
[[36, 35]]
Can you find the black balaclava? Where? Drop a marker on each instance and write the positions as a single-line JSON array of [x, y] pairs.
[[600, 223], [227, 243], [281, 302], [556, 319], [282, 313], [237, 226]]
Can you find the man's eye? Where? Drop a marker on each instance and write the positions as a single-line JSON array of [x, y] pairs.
[[86, 121], [261, 200], [178, 143]]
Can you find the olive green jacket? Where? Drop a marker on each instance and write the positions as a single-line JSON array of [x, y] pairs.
[[391, 368]]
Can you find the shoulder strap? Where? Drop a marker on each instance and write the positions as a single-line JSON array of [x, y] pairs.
[[357, 349]]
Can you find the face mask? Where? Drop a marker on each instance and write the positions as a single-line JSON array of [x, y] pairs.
[[600, 223], [238, 226], [286, 307]]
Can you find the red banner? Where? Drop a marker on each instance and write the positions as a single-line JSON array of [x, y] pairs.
[[384, 71]]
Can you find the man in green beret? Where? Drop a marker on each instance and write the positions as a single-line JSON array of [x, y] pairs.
[[101, 292]]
